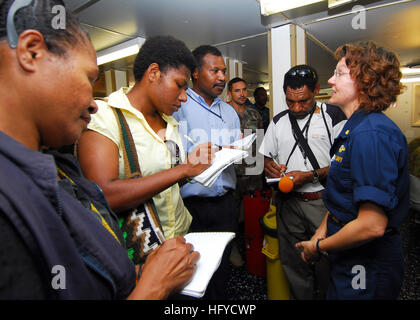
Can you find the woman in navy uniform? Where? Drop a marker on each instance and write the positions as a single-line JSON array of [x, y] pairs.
[[367, 194]]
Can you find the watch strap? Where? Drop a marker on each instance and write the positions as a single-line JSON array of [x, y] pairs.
[[320, 252]]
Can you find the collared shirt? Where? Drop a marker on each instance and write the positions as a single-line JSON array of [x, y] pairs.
[[152, 153], [218, 124], [369, 164], [279, 141]]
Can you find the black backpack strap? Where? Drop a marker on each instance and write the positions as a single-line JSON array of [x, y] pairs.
[[326, 125]]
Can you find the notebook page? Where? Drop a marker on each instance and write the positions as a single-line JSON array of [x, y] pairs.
[[245, 143], [223, 158], [211, 246]]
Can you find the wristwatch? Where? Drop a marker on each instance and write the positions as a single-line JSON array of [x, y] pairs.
[[316, 177]]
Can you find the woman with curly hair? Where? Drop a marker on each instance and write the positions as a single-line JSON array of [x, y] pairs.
[[367, 194]]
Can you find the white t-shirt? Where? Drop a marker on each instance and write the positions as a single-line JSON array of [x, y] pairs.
[[279, 141], [152, 153]]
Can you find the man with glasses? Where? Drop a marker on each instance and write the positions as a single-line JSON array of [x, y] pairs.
[[205, 117], [297, 144]]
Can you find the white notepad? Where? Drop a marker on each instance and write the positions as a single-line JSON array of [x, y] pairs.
[[211, 246], [272, 180], [223, 159], [245, 143]]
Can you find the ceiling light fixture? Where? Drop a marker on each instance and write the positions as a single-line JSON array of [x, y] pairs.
[[411, 68], [269, 7], [406, 70], [408, 80], [122, 50], [411, 73], [336, 3]]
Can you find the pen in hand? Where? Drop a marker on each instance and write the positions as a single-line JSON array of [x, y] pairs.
[[217, 146], [272, 158], [194, 142]]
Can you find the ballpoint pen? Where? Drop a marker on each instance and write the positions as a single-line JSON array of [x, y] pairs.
[[217, 146], [272, 158], [190, 139], [194, 143]]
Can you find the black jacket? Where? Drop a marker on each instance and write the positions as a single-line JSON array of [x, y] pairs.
[[57, 230]]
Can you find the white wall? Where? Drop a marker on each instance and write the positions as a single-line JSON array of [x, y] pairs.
[[401, 114]]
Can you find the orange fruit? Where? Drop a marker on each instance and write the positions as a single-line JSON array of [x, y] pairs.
[[285, 184]]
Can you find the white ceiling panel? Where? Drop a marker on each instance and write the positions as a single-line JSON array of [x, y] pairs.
[[194, 21], [396, 27], [394, 24]]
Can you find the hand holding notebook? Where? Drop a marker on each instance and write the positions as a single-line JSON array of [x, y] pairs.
[[211, 246], [224, 158]]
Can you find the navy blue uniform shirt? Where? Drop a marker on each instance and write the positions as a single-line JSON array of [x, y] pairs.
[[369, 164]]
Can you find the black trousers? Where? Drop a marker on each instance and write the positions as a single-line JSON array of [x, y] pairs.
[[210, 215]]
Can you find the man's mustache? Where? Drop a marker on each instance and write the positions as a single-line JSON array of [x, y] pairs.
[[219, 84]]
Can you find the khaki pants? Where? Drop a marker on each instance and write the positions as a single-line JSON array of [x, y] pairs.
[[298, 221]]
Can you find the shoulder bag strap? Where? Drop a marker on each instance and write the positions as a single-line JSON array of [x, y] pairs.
[[325, 122], [131, 162], [302, 142]]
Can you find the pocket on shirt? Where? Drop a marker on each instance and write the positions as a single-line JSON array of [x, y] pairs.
[[341, 174]]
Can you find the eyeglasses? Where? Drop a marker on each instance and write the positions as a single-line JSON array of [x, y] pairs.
[[338, 74], [302, 73], [174, 151], [12, 36]]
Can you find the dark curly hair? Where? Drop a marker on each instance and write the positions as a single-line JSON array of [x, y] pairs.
[[203, 50], [39, 16], [376, 72], [166, 51]]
